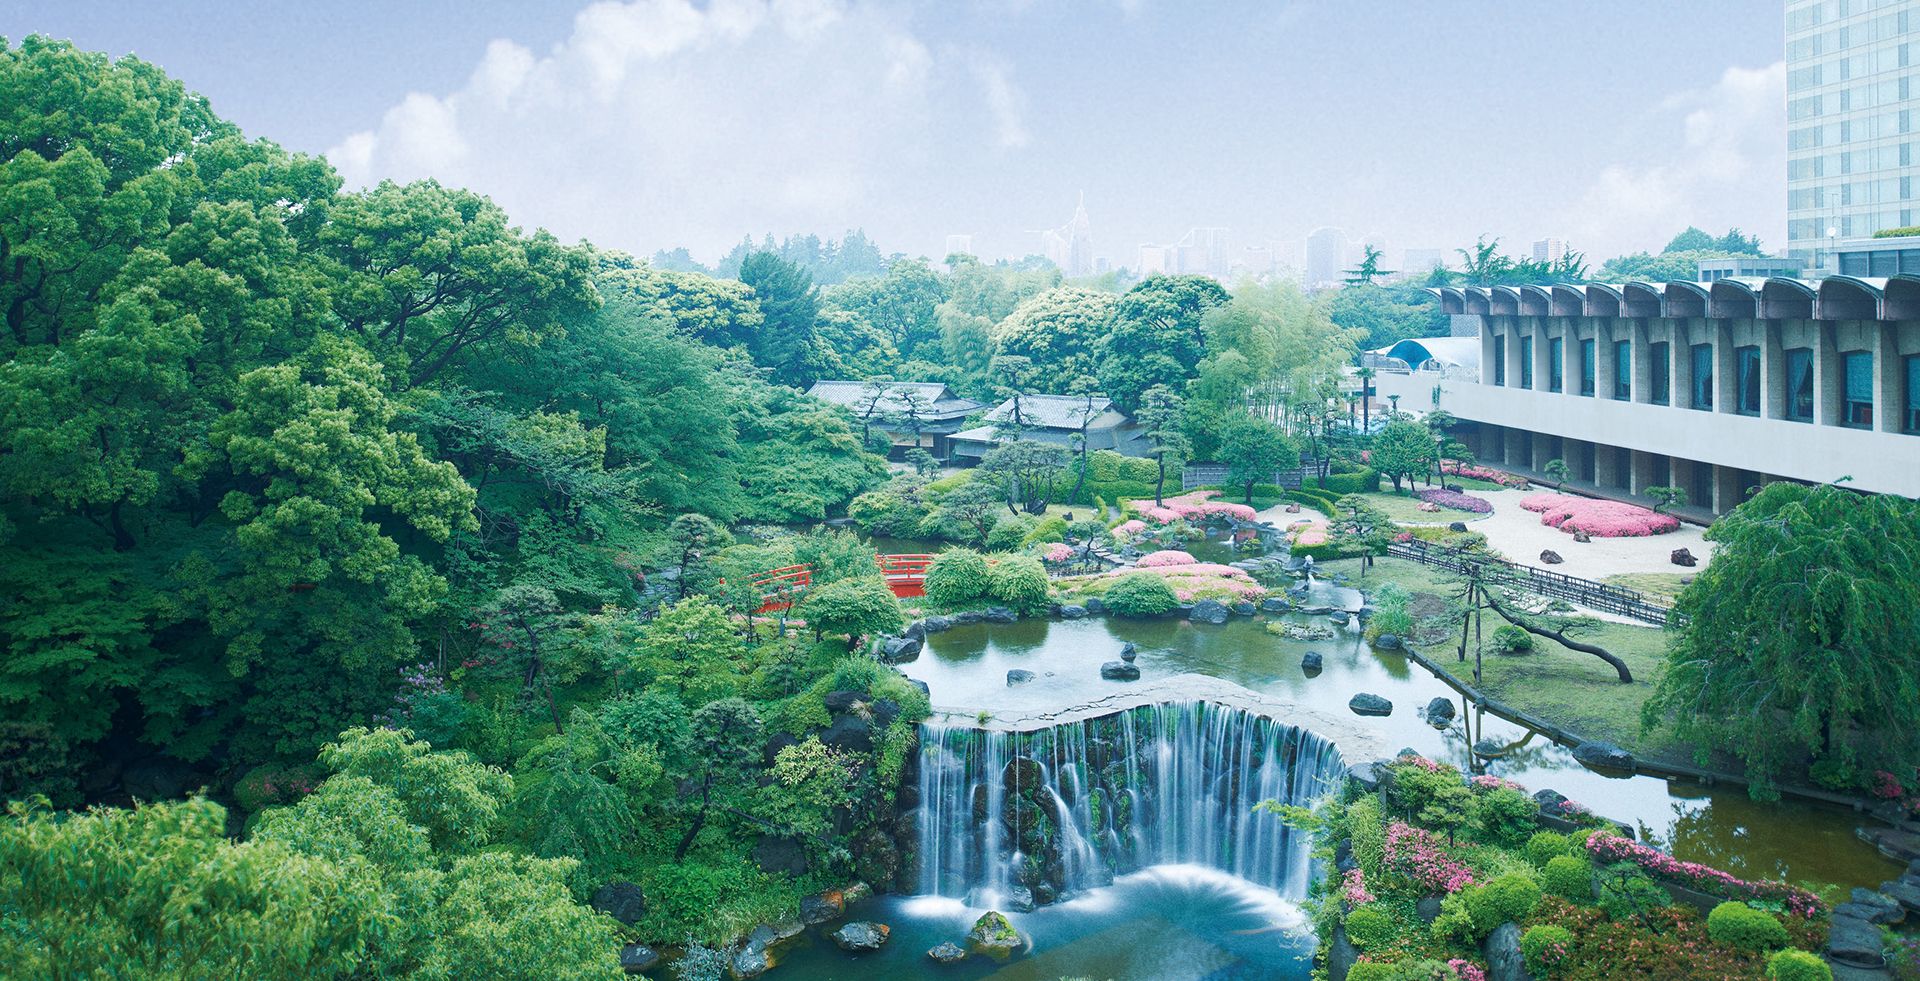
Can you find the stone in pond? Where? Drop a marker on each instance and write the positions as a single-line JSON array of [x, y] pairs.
[[823, 908], [1129, 651], [1274, 604], [1018, 676], [1001, 614], [1440, 711], [860, 936], [1020, 899], [1311, 662], [1387, 642], [1096, 605], [1073, 611], [1604, 755], [1208, 611], [917, 630], [1904, 893], [751, 962], [993, 936], [1245, 608], [635, 958], [1367, 703], [1119, 671], [899, 650], [936, 624], [948, 953], [1551, 557], [1340, 617]]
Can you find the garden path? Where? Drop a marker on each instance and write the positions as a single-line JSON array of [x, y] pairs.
[[1519, 535]]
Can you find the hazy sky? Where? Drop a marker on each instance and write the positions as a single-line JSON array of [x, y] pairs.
[[659, 122]]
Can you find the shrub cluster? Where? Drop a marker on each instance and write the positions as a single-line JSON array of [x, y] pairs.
[[1797, 965], [1742, 926], [1603, 519], [1019, 581], [1545, 948], [957, 578], [1140, 594], [1456, 500], [1570, 877]]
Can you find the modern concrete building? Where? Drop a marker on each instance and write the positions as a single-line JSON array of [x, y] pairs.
[[1715, 388], [1851, 120], [1750, 266], [1327, 249], [1549, 250]]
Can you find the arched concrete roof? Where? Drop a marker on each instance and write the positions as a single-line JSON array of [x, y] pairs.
[[1569, 301], [1503, 300], [1602, 300], [1730, 297], [1536, 300], [1901, 299], [1477, 300], [1786, 299], [1684, 299], [1642, 300], [1851, 298], [1449, 351]]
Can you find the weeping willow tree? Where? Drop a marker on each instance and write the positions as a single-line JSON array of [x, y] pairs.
[[1797, 643]]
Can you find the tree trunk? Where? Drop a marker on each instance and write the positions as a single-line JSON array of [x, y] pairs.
[[1160, 482], [1626, 674], [699, 821]]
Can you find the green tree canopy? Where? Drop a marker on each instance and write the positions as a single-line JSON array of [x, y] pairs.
[[1157, 336], [1057, 330], [1253, 449], [1403, 449]]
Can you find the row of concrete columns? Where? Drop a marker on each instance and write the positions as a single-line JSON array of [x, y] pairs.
[[1615, 470]]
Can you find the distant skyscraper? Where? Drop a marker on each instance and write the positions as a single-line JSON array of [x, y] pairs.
[[1255, 260], [1326, 257], [1071, 245], [1549, 250], [1202, 252], [1851, 113], [960, 244], [1153, 259], [1417, 263]]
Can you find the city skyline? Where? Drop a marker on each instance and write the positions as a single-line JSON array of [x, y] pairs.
[[682, 125]]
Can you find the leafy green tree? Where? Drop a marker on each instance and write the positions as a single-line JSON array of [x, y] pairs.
[[449, 793], [1795, 641], [1156, 337], [855, 608], [720, 312], [1160, 413], [1057, 330], [692, 648], [1667, 498], [727, 739], [1557, 471], [692, 542], [790, 305], [967, 513], [902, 305], [1387, 314], [797, 457], [1026, 471], [1402, 450], [1253, 449], [1369, 268]]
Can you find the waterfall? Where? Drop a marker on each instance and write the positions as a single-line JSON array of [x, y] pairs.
[[1061, 809]]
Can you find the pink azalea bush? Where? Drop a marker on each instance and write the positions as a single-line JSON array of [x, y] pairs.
[[1456, 500], [1354, 888], [1486, 781], [1194, 506], [1466, 970], [1607, 849], [1604, 519], [1058, 552], [1126, 530], [1457, 469], [1189, 582], [1414, 853], [1165, 557]]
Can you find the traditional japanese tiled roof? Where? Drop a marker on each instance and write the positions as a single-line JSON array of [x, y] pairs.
[[938, 398]]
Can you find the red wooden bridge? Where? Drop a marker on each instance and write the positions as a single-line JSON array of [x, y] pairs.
[[781, 588]]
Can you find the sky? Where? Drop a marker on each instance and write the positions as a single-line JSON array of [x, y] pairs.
[[658, 123]]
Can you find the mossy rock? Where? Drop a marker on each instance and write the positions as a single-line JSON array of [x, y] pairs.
[[993, 936]]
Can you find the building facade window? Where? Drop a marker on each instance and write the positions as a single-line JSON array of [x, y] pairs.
[[1557, 365], [1746, 361], [1588, 366], [1912, 417], [1800, 384], [1499, 359], [1702, 376], [1623, 371], [1856, 405], [1526, 362], [1661, 373]]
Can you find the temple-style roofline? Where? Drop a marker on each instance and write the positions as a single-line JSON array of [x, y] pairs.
[[1770, 298]]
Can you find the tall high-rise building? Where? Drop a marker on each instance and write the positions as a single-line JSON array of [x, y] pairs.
[[1326, 257], [959, 245], [1071, 245], [1549, 250], [1852, 112], [1202, 251], [1153, 259]]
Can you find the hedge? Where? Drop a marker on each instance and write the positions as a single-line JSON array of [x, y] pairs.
[[1364, 482]]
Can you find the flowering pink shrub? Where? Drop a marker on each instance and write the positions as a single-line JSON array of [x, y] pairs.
[[1466, 970], [1165, 557], [1487, 781], [1058, 552], [1403, 537], [1606, 519], [1458, 469], [1455, 500], [1607, 849], [1194, 506], [1354, 888], [1413, 853], [1431, 766], [1886, 786]]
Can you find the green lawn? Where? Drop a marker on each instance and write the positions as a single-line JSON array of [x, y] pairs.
[[1405, 508], [1662, 586]]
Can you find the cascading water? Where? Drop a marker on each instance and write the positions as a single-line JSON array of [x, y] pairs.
[[1065, 808]]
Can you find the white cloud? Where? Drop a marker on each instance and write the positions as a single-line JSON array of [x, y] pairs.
[[1726, 170], [661, 122]]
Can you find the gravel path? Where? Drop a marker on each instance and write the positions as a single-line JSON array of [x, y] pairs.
[[1519, 535]]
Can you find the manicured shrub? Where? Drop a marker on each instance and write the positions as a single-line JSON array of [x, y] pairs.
[[1545, 948], [1010, 531], [1797, 965], [1416, 970], [1018, 581], [1456, 500], [1742, 926], [1603, 519], [1505, 815], [1140, 594], [1371, 928], [957, 577], [1545, 846], [1509, 897], [1368, 832], [1509, 639], [1369, 971], [1364, 482], [1570, 877], [1165, 557], [1052, 528]]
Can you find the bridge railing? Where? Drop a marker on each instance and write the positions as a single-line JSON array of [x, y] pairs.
[[1601, 596], [905, 575]]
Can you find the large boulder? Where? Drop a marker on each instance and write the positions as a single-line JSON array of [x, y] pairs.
[[1504, 960], [1341, 955], [1904, 892], [1129, 651], [823, 908], [948, 953], [1682, 557], [1311, 662], [1340, 617], [936, 625], [621, 900], [917, 630], [1878, 907], [900, 650], [1365, 776], [1456, 526], [751, 961], [1603, 755], [860, 936], [843, 701], [1387, 642], [1000, 614], [965, 617], [1439, 711], [1119, 671], [1020, 899], [1073, 611], [993, 936], [1550, 557], [1018, 676], [1209, 611], [1367, 703], [775, 854], [635, 958], [1275, 604], [1854, 942], [1428, 908], [849, 732], [1582, 537], [1096, 605], [1245, 608]]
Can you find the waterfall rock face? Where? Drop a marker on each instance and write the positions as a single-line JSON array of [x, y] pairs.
[[1048, 812]]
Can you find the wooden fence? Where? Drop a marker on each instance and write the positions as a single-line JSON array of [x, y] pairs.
[[1215, 475], [1500, 572]]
